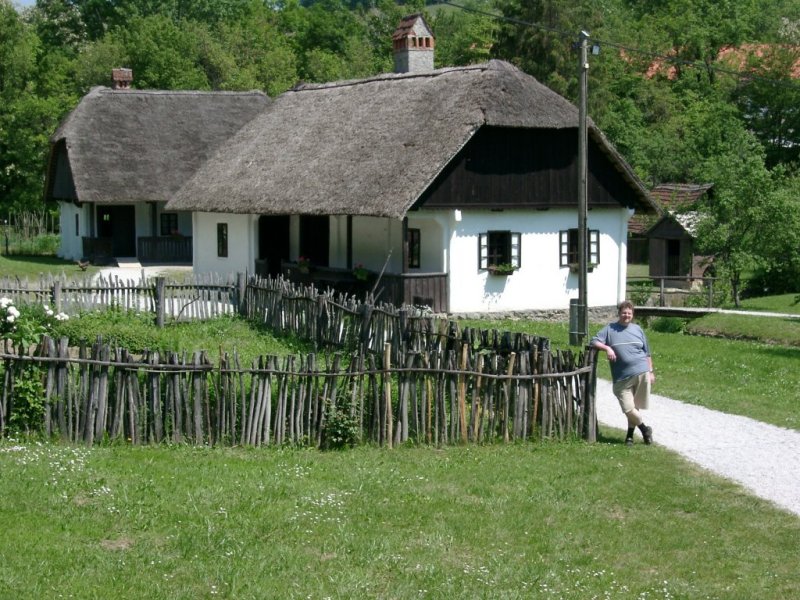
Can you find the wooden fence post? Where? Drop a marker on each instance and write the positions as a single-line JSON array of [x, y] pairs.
[[387, 389], [589, 398], [57, 295], [160, 301], [241, 290]]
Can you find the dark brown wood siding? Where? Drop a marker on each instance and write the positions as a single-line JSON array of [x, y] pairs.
[[526, 168]]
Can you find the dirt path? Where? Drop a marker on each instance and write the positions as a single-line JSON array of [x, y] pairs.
[[763, 458]]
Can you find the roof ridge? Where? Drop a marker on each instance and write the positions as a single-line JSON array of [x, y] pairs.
[[129, 92], [307, 87]]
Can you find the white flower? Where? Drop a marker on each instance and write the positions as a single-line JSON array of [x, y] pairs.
[[62, 317], [11, 318], [13, 311], [48, 311], [4, 302]]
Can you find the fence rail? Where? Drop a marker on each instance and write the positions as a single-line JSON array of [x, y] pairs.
[[673, 291]]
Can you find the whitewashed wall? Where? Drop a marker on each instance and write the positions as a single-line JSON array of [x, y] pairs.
[[450, 243], [71, 246], [242, 246], [540, 283]]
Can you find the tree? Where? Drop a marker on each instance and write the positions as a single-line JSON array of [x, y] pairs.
[[769, 97], [463, 37], [743, 213], [541, 40]]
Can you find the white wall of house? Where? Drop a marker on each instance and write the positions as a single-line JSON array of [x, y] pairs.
[[449, 243], [71, 246], [540, 283], [242, 243]]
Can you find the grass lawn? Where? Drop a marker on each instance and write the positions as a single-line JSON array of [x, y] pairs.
[[532, 520], [566, 520], [31, 267]]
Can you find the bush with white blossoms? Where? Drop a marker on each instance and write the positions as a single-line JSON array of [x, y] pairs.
[[25, 325]]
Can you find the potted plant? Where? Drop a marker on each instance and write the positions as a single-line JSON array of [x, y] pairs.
[[303, 264], [575, 267], [360, 272], [501, 269]]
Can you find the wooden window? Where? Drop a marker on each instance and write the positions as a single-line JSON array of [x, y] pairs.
[[499, 248], [222, 240], [568, 242], [169, 223], [414, 248]]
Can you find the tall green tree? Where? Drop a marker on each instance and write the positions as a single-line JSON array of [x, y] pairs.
[[743, 213]]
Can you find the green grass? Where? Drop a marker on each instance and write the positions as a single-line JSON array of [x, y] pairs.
[[31, 267], [566, 520], [136, 333], [784, 303], [636, 270]]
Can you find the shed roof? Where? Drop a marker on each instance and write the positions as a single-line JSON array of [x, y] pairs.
[[373, 146], [133, 145]]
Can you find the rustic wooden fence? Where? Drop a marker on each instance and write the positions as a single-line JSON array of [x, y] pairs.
[[465, 395], [399, 374], [204, 296]]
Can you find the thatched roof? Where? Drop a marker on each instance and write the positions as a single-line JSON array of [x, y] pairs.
[[372, 146], [132, 145]]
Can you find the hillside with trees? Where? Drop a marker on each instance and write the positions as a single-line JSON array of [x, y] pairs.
[[689, 91]]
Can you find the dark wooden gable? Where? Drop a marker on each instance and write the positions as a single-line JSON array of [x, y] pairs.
[[526, 168], [668, 228], [61, 184]]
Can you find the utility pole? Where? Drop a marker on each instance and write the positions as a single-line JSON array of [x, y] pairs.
[[583, 202]]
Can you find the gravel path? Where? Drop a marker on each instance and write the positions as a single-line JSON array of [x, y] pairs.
[[763, 458]]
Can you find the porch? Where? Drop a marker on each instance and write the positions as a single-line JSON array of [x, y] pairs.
[[163, 249], [418, 289]]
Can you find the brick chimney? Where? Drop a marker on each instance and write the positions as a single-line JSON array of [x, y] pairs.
[[413, 44], [121, 79]]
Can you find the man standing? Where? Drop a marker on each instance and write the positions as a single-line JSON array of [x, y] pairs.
[[632, 373]]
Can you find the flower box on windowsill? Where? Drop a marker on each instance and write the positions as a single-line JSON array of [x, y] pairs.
[[501, 270], [575, 267]]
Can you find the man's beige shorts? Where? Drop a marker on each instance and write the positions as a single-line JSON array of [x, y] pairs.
[[633, 392]]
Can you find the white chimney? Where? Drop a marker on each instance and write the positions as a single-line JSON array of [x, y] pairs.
[[413, 45]]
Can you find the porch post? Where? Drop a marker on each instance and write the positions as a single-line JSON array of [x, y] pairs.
[[405, 245], [349, 242], [153, 220]]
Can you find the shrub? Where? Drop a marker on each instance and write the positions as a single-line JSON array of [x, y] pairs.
[[341, 428], [127, 329], [668, 325], [28, 401], [25, 325]]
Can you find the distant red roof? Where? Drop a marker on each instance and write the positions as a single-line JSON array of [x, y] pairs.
[[735, 57], [674, 196], [671, 197]]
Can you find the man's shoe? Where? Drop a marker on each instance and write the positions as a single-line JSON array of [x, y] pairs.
[[647, 434], [629, 441]]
